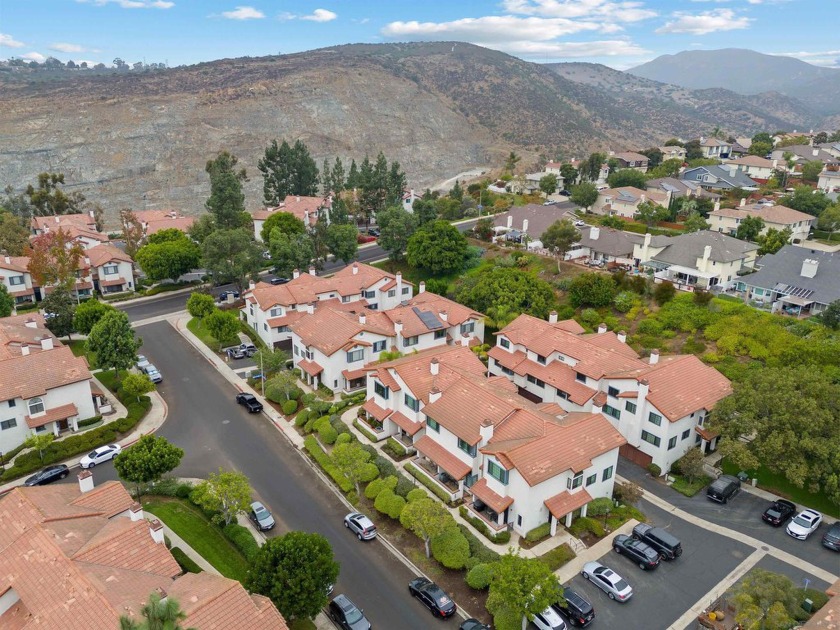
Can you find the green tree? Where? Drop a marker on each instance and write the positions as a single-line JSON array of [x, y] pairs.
[[829, 220], [511, 161], [691, 465], [157, 615], [226, 493], [88, 313], [337, 177], [749, 228], [584, 195], [113, 341], [426, 519], [290, 252], [654, 156], [276, 167], [693, 150], [223, 326], [305, 174], [569, 174], [295, 571], [147, 460], [830, 317], [773, 240], [522, 587], [169, 259], [49, 197], [227, 201], [271, 361], [763, 136], [811, 171], [352, 176], [396, 227], [559, 238], [548, 184], [39, 442], [807, 200], [425, 211], [673, 142], [516, 290], [352, 461], [592, 289], [135, 385], [342, 242], [326, 179], [203, 227], [281, 386], [613, 221], [591, 168], [286, 222], [649, 213], [760, 148], [695, 222], [200, 304], [668, 168], [14, 236], [457, 192], [232, 256], [54, 259], [777, 407], [627, 177], [438, 248], [59, 308], [765, 601], [132, 231], [483, 229], [396, 184], [664, 292], [7, 302]]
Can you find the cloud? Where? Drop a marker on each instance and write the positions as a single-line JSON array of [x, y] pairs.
[[828, 58], [72, 48], [491, 29], [11, 42], [360, 21], [243, 13], [132, 4], [34, 56], [606, 9], [705, 23], [559, 50], [320, 15]]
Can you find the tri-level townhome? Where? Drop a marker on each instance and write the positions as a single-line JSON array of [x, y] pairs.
[[271, 309], [516, 464], [80, 227], [112, 270], [304, 208], [14, 274], [332, 344], [775, 216], [659, 405], [43, 387]]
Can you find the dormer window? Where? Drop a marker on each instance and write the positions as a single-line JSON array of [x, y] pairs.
[[540, 359], [504, 343], [36, 406]]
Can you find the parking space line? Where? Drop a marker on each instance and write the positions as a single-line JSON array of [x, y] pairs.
[[692, 613]]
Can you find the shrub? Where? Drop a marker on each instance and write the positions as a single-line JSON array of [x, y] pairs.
[[89, 421], [389, 503], [426, 481], [590, 317], [302, 418], [479, 576], [501, 538], [664, 292], [184, 561], [328, 434], [289, 407], [394, 448], [369, 472], [386, 468], [314, 449], [365, 431], [600, 506], [242, 539], [416, 494], [586, 524], [654, 470], [343, 438], [451, 549], [404, 486], [558, 556], [538, 533], [378, 485], [650, 327], [170, 487], [624, 301]]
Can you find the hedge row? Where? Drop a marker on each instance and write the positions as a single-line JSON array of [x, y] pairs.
[[501, 538], [394, 448], [538, 533], [319, 455], [89, 421], [242, 539], [365, 431], [184, 561], [426, 481]]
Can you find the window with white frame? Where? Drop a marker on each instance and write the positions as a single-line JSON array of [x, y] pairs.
[[607, 473], [504, 343], [612, 412], [650, 438], [655, 418], [433, 424], [411, 402], [379, 346], [345, 298], [612, 391], [440, 334], [392, 293], [468, 448], [111, 270], [410, 341], [672, 443], [591, 479], [535, 381], [36, 405], [562, 394], [406, 290], [575, 482], [685, 434], [630, 406], [277, 311], [16, 280], [540, 359], [369, 294], [381, 390], [497, 472], [8, 424], [355, 355], [467, 327]]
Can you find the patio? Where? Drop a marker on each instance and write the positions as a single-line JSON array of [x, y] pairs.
[[441, 478]]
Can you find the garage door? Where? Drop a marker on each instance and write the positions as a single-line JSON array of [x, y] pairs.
[[526, 394], [635, 455]]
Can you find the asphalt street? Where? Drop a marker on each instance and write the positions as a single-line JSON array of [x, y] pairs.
[[216, 433]]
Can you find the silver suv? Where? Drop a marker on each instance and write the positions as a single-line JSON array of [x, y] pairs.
[[360, 525]]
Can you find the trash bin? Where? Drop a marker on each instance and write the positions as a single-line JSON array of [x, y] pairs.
[[743, 476]]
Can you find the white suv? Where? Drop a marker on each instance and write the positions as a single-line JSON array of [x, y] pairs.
[[360, 525], [549, 620]]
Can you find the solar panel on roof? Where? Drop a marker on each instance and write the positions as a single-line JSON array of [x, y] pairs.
[[428, 318]]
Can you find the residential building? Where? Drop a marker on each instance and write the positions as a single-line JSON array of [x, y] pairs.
[[557, 363], [758, 168], [795, 280], [680, 188], [112, 270], [531, 220], [606, 244], [699, 260], [624, 201], [43, 387], [673, 153], [717, 177], [80, 227], [829, 180], [630, 159], [727, 220], [304, 208], [14, 274], [516, 464], [713, 148], [802, 154], [271, 309], [832, 148], [408, 199], [153, 221], [332, 344], [80, 556]]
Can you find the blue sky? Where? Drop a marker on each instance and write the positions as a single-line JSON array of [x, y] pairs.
[[618, 33]]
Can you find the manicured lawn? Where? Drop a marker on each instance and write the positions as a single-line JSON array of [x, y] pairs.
[[302, 624], [557, 557], [689, 489], [777, 484], [414, 275], [196, 327], [109, 380], [79, 349], [199, 533]]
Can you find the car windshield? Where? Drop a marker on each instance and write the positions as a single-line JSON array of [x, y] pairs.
[[621, 585], [802, 521], [353, 615], [92, 454], [261, 512], [773, 512]]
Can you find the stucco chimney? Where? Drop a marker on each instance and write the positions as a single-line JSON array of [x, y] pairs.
[[251, 285], [136, 512], [85, 481], [362, 318], [434, 367], [161, 594], [443, 315], [809, 268], [310, 309], [707, 252], [297, 198], [594, 233], [552, 317], [8, 259], [156, 530], [47, 343], [57, 220], [775, 163], [510, 222], [644, 198], [355, 269], [399, 284], [312, 271], [815, 152], [422, 288], [602, 328], [733, 168], [296, 274], [654, 356], [434, 395], [398, 327], [648, 236], [24, 350], [30, 323], [717, 206], [486, 431], [702, 139], [621, 336], [465, 340], [743, 202]]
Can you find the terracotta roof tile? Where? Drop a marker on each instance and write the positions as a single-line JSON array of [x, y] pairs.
[[561, 504], [415, 369], [443, 458], [56, 413], [310, 367], [494, 501], [405, 423], [15, 263], [328, 329], [109, 498], [64, 221], [32, 375], [375, 410], [102, 254], [124, 544]]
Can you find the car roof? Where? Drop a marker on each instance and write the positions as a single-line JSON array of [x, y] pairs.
[[551, 615], [809, 514]]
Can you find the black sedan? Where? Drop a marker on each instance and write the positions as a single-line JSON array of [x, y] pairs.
[[250, 402], [778, 512], [473, 624], [47, 475], [641, 553], [432, 597]]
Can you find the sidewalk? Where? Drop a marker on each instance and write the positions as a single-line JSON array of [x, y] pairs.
[[603, 546]]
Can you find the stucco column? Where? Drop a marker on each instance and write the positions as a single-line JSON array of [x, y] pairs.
[[569, 519], [55, 428], [583, 510], [553, 522], [703, 445]]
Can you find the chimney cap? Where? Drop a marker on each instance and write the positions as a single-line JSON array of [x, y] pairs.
[[155, 525], [434, 390], [85, 474], [135, 507], [644, 382], [435, 360], [487, 422]]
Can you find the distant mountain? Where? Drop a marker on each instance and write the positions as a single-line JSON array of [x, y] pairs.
[[748, 72]]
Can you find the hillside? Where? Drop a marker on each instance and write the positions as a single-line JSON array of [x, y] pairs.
[[748, 72], [142, 139]]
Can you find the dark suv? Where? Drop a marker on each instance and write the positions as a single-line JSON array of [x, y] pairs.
[[644, 555], [577, 610], [668, 546], [346, 615], [831, 539], [723, 488]]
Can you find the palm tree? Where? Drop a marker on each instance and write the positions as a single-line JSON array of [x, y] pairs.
[[500, 316], [157, 614]]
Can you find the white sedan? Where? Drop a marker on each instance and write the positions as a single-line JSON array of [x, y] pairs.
[[608, 581], [100, 455], [805, 524]]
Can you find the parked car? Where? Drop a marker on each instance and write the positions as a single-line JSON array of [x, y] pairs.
[[778, 512], [261, 516], [549, 619], [47, 475], [248, 348], [223, 296], [549, 203], [592, 262], [473, 624], [373, 232], [250, 402], [153, 373], [100, 455], [142, 362], [346, 615], [668, 545], [577, 610], [641, 553], [615, 586], [805, 524], [580, 223], [432, 597], [235, 353], [278, 281], [723, 488], [565, 193], [360, 525], [831, 539]]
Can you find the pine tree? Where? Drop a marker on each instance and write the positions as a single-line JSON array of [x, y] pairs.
[[337, 176]]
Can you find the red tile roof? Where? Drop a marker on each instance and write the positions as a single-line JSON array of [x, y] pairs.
[[57, 413], [561, 504], [405, 423], [102, 254], [494, 501], [310, 367], [453, 466], [32, 375], [375, 410]]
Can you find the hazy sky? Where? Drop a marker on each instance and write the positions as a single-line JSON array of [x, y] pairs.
[[613, 32]]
